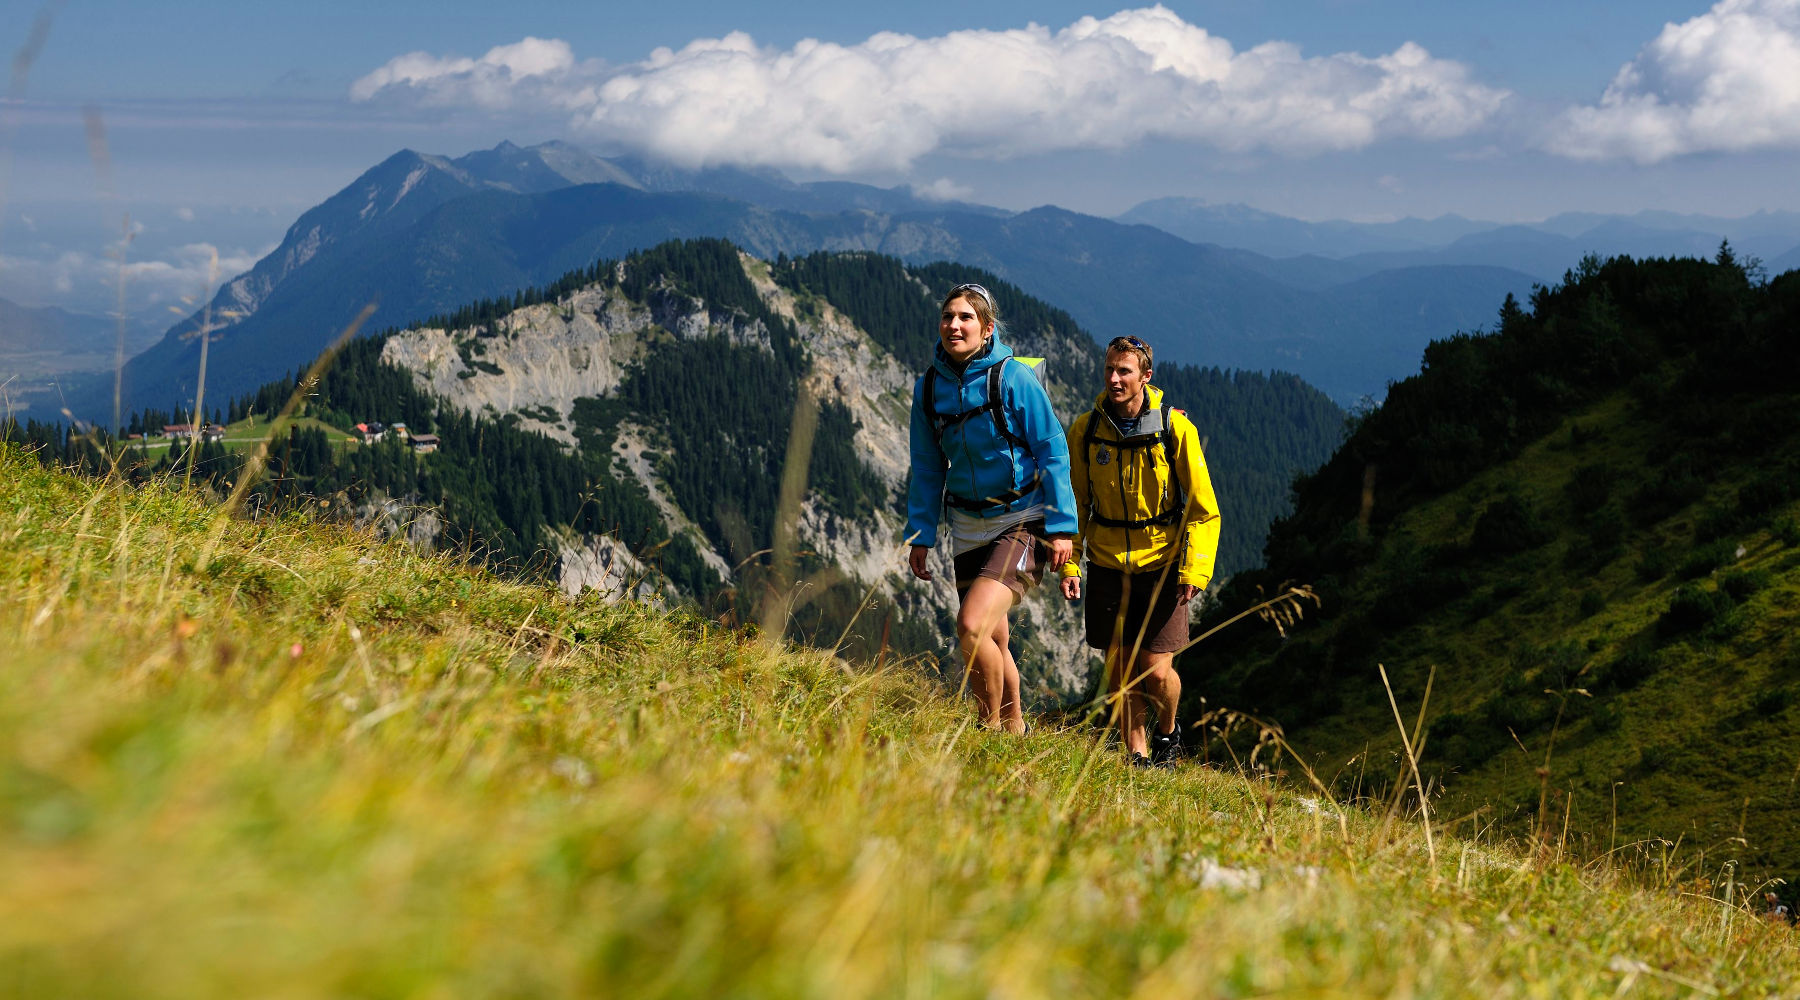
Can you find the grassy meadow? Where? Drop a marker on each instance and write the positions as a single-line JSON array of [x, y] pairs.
[[276, 758]]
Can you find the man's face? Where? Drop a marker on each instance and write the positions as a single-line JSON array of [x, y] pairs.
[[1125, 376]]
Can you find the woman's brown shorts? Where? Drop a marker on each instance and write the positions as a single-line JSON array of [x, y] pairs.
[[1015, 559], [1167, 630]]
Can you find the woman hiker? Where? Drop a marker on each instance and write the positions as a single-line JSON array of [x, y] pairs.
[[987, 445], [1150, 527]]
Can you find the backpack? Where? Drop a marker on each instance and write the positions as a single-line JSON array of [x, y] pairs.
[[994, 407], [1165, 439]]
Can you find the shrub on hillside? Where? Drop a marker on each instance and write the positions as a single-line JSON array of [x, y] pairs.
[[1655, 563], [1703, 559], [1694, 608], [1591, 603], [1788, 531], [1677, 484], [1769, 491], [1742, 583], [1773, 701], [1605, 717], [1589, 488], [1509, 525], [1714, 523], [1605, 525], [1633, 667]]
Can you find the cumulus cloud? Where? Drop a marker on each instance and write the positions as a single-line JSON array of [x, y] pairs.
[[893, 99], [508, 76], [1725, 81]]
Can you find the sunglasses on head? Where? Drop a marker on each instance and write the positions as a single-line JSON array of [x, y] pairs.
[[986, 296], [1131, 342]]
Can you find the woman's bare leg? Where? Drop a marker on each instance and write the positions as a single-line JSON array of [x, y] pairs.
[[1012, 707], [982, 616]]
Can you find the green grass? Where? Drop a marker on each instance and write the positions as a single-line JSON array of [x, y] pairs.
[[276, 758]]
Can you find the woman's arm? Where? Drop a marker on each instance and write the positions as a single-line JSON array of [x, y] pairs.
[[1038, 425], [925, 481]]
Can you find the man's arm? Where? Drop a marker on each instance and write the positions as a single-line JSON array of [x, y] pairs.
[[1201, 520]]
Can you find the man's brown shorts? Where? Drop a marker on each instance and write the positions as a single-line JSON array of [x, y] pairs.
[[1167, 628], [1015, 559]]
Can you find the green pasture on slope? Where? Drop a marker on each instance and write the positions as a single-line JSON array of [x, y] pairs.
[[244, 435], [278, 758]]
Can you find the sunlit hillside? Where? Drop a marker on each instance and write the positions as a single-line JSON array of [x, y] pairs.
[[252, 757], [1583, 532]]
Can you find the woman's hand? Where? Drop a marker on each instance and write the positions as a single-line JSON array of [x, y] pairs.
[[1061, 550], [1071, 586], [1185, 593], [916, 560]]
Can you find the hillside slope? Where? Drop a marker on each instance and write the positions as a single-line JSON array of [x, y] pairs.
[[1587, 524], [238, 756]]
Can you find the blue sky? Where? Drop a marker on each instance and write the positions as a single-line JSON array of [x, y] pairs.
[[223, 121]]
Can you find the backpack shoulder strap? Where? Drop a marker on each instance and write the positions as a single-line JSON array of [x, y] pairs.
[[1091, 434], [996, 405]]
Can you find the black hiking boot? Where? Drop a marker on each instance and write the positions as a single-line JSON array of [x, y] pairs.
[[1165, 748], [1139, 760]]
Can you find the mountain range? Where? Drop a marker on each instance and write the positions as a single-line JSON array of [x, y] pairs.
[[420, 234], [1542, 249]]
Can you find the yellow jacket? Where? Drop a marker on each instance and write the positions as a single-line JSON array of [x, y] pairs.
[[1133, 516]]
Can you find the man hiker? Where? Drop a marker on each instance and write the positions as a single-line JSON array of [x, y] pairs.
[[1150, 528]]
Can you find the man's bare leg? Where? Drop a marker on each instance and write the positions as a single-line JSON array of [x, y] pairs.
[[1162, 686]]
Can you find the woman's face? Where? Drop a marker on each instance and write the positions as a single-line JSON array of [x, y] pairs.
[[960, 329], [1125, 376]]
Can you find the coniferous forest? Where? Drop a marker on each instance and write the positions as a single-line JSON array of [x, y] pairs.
[[1578, 537]]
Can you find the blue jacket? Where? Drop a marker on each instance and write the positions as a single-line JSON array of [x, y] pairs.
[[973, 460]]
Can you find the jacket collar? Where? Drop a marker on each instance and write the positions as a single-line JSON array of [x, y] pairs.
[[1152, 420], [994, 353]]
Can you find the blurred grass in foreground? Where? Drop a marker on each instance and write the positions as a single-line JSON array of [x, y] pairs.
[[278, 759]]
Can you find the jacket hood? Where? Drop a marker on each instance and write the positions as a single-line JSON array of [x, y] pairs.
[[994, 353]]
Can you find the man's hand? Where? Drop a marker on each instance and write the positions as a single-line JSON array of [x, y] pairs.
[[1071, 586], [1185, 593], [916, 561], [1061, 550]]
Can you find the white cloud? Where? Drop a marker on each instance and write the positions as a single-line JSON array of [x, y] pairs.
[[1725, 81], [943, 189], [507, 76], [892, 100]]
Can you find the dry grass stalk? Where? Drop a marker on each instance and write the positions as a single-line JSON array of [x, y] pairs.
[[1412, 760]]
